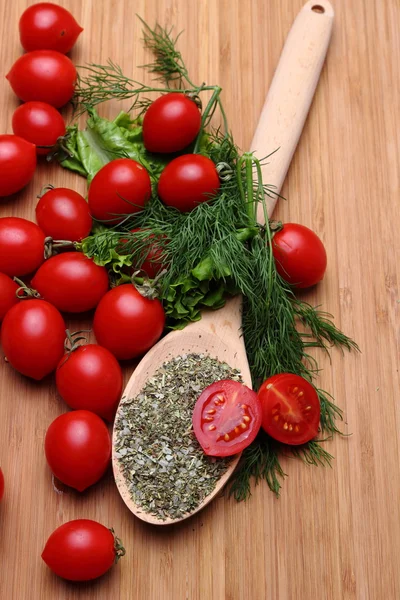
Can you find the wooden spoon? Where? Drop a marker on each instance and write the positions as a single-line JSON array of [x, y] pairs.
[[218, 334]]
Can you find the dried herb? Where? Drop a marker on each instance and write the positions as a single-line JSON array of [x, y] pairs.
[[166, 470]]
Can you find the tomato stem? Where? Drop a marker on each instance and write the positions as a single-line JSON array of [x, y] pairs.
[[71, 342], [24, 292], [50, 246], [118, 546]]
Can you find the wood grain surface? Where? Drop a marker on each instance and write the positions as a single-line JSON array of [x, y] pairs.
[[334, 533]]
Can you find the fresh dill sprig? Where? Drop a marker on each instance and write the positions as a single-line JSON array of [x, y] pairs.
[[168, 65]]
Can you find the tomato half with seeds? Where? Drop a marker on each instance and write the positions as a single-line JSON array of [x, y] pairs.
[[226, 418], [290, 409]]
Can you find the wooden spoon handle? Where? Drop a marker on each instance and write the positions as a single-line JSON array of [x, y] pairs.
[[291, 92]]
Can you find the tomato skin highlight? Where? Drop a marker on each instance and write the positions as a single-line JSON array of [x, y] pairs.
[[90, 378], [80, 550], [21, 246], [187, 181], [17, 163], [72, 282], [78, 448], [226, 418], [8, 295], [126, 323], [43, 75], [32, 336], [63, 214], [47, 26], [171, 123], [38, 123], [290, 409], [300, 256], [121, 187], [1, 484]]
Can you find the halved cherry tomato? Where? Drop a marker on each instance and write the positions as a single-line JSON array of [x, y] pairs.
[[8, 295], [290, 408], [188, 181], [43, 75], [63, 214], [82, 550], [72, 282], [226, 418], [47, 26], [300, 256], [121, 187], [38, 123], [171, 123], [21, 246]]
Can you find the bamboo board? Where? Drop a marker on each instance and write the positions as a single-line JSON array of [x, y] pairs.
[[334, 533]]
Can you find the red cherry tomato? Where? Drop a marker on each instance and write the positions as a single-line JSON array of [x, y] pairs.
[[78, 448], [8, 295], [121, 187], [21, 246], [188, 181], [72, 282], [46, 26], [38, 123], [1, 484], [64, 215], [43, 75], [81, 550], [226, 418], [126, 323], [17, 164], [171, 123], [90, 378], [290, 409], [300, 256], [32, 336], [152, 263]]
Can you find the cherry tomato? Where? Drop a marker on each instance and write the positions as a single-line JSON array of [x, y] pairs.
[[121, 187], [1, 484], [8, 295], [127, 323], [226, 418], [81, 550], [171, 123], [38, 123], [188, 181], [78, 448], [43, 75], [152, 263], [64, 215], [300, 256], [32, 335], [21, 246], [90, 378], [72, 282], [290, 408], [17, 164], [46, 26]]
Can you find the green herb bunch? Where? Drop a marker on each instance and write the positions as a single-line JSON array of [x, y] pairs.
[[216, 250]]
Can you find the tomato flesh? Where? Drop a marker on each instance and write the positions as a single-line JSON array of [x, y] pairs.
[[226, 418], [290, 409]]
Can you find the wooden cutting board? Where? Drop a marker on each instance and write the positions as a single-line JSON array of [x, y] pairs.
[[334, 533]]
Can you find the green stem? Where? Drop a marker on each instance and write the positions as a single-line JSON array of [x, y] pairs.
[[210, 106], [224, 117]]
